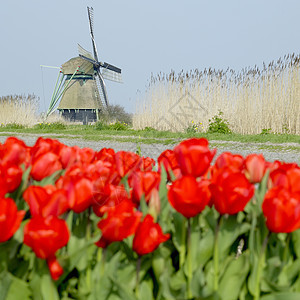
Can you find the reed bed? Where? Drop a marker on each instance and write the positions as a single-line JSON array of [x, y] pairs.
[[253, 100], [18, 109]]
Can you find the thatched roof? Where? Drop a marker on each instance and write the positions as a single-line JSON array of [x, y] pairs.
[[69, 67], [81, 94]]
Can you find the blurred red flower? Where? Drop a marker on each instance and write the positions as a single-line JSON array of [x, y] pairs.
[[79, 189], [281, 208], [194, 156], [14, 152], [111, 195], [10, 218], [127, 162], [121, 221], [10, 178], [147, 164], [168, 160], [148, 236], [189, 196], [286, 176], [143, 183], [227, 159], [255, 167], [45, 165], [46, 200], [45, 236], [231, 191]]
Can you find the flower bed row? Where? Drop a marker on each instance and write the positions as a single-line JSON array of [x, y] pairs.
[[78, 223]]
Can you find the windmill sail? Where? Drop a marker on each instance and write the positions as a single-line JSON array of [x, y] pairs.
[[91, 20], [101, 88], [111, 75], [85, 53]]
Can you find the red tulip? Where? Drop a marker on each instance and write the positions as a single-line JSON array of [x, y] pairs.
[[255, 167], [127, 162], [281, 208], [194, 156], [46, 235], [46, 201], [10, 179], [45, 165], [147, 164], [227, 159], [106, 155], [143, 183], [121, 222], [10, 218], [14, 152], [286, 176], [170, 163], [231, 191], [110, 196], [189, 196], [43, 146], [55, 268], [79, 190], [148, 236]]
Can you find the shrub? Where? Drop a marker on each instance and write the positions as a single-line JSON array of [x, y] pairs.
[[118, 126], [115, 113], [14, 126], [218, 125], [55, 125]]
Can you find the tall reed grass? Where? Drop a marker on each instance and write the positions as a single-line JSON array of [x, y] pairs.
[[19, 109], [252, 100]]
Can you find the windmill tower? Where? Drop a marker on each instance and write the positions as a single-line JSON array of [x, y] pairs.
[[80, 85]]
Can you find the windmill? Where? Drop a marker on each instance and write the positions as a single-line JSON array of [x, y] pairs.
[[80, 85]]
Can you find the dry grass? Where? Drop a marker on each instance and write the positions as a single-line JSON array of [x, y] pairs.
[[18, 109], [251, 100]]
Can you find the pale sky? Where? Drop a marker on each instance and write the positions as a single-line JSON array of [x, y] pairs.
[[140, 38]]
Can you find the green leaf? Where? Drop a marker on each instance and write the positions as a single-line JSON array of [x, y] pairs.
[[48, 288], [122, 290], [18, 289], [296, 242], [234, 277], [143, 205], [229, 232], [5, 282], [179, 236], [282, 296], [205, 248], [145, 291]]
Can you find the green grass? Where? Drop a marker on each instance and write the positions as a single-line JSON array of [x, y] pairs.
[[90, 132]]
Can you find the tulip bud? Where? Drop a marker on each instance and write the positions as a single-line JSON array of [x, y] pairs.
[[154, 204]]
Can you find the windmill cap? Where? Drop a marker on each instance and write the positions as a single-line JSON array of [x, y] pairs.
[[75, 63]]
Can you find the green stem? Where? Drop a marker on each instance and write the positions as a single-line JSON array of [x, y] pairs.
[[260, 267], [216, 255], [189, 260], [286, 249], [138, 267], [88, 237], [182, 252]]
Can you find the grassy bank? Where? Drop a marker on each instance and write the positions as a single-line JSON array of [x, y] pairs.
[[147, 136]]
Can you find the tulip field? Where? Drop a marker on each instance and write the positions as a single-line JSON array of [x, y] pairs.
[[82, 224]]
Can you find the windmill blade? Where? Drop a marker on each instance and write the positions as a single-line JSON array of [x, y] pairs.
[[111, 67], [111, 75], [101, 87], [84, 53], [96, 64], [91, 21]]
